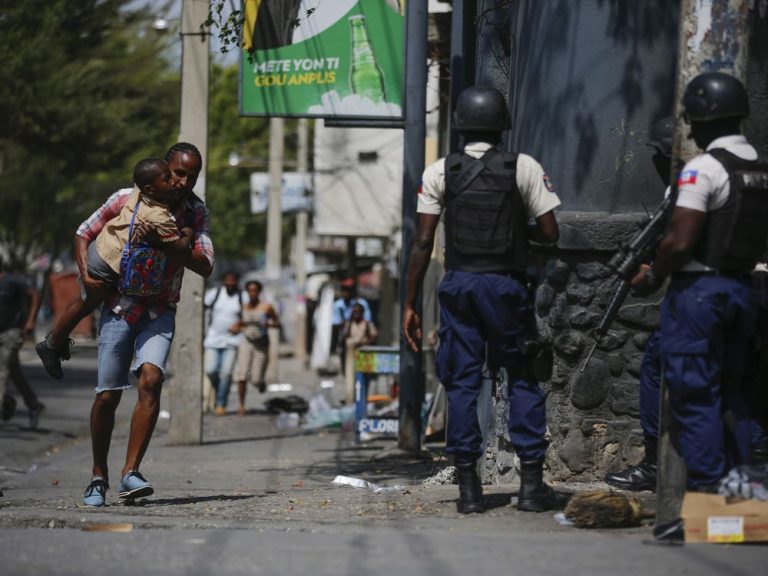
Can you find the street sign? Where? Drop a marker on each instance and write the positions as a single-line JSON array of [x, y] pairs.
[[296, 194]]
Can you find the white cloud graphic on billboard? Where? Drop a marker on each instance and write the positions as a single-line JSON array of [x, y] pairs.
[[353, 105]]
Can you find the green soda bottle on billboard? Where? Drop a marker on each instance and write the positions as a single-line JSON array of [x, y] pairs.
[[365, 76]]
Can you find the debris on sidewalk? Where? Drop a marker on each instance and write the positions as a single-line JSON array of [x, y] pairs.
[[605, 509], [322, 415], [281, 387], [447, 475], [562, 520], [287, 420], [107, 527], [360, 483], [748, 482], [718, 519], [292, 403]]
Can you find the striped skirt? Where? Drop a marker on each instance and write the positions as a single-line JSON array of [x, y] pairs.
[[251, 362]]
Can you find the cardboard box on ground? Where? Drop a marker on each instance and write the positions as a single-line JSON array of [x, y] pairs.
[[716, 519]]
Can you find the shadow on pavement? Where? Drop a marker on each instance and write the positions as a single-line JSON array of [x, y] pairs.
[[145, 503]]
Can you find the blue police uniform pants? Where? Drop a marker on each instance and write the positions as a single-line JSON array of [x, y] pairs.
[[650, 395], [650, 387], [482, 313], [708, 324]]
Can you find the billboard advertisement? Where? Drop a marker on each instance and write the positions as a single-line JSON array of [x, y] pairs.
[[323, 58]]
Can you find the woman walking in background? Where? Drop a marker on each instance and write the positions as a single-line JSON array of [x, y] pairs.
[[253, 353]]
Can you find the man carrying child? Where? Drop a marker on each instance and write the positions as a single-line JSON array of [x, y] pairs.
[[140, 327], [155, 190]]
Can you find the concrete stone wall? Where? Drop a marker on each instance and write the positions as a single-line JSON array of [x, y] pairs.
[[593, 415], [584, 81]]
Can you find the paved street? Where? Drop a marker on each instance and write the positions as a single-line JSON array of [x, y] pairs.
[[254, 499]]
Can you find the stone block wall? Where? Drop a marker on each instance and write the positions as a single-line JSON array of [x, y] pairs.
[[593, 416]]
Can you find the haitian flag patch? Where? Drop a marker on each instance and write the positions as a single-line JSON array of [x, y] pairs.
[[420, 188], [687, 177]]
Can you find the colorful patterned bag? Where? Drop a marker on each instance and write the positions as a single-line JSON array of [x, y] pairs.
[[142, 267]]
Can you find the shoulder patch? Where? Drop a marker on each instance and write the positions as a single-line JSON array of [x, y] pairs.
[[548, 183], [687, 177]]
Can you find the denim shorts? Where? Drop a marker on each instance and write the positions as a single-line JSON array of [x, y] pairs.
[[149, 340]]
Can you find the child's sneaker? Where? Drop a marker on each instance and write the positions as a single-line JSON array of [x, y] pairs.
[[51, 359], [134, 485], [65, 351], [96, 494]]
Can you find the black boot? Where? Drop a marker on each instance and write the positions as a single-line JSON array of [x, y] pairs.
[[534, 495], [470, 490], [639, 477]]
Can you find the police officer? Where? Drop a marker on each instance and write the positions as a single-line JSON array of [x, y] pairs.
[[643, 475], [488, 197], [716, 235]]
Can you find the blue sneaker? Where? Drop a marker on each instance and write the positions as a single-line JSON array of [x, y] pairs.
[[96, 493], [134, 485]]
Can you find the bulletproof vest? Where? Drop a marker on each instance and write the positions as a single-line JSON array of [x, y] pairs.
[[734, 236], [485, 224]]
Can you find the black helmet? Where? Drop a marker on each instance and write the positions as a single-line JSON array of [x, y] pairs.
[[481, 109], [714, 95], [660, 136]]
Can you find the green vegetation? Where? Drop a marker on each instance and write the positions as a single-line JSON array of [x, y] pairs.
[[86, 90], [83, 96]]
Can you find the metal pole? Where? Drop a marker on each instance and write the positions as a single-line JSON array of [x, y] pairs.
[[274, 209], [186, 391], [713, 37], [411, 374], [300, 347], [463, 41], [274, 232]]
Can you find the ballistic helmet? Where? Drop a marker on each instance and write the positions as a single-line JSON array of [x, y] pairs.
[[660, 136], [481, 109], [715, 95]]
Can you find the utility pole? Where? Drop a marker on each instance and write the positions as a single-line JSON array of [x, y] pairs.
[[709, 40], [412, 386], [274, 209], [186, 393], [274, 230], [300, 245]]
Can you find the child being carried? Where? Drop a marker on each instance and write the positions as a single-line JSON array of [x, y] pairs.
[[155, 191]]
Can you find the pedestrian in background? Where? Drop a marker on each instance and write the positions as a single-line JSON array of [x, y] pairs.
[[224, 305], [357, 332], [253, 352], [342, 312], [19, 302]]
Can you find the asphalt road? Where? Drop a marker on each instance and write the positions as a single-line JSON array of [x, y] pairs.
[[256, 499]]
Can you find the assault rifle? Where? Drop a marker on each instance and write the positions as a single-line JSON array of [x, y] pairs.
[[626, 262]]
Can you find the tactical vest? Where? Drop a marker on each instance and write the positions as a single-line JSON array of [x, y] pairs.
[[485, 224], [734, 236]]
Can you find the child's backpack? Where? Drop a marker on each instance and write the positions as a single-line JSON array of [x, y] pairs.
[[142, 267]]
